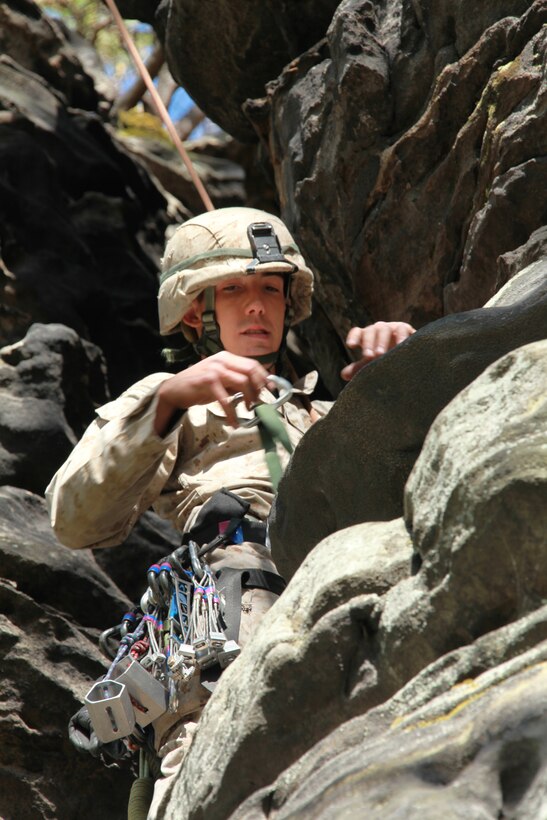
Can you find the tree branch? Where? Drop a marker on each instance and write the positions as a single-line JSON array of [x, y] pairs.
[[137, 90]]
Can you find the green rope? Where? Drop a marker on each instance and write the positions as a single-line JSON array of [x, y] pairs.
[[272, 430], [142, 791]]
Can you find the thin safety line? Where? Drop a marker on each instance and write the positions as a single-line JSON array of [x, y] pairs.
[[158, 102]]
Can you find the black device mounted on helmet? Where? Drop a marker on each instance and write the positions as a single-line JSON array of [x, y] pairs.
[[265, 246]]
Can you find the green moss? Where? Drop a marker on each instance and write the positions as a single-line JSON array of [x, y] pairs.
[[506, 71], [136, 123]]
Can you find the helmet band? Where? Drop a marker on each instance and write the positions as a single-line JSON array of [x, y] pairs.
[[246, 253]]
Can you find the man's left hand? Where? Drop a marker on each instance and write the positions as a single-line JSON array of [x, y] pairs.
[[373, 341]]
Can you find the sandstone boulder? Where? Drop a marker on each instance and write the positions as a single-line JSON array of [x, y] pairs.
[[375, 604], [253, 42], [386, 412], [464, 738]]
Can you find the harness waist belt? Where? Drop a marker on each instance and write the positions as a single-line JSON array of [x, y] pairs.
[[262, 579], [254, 531]]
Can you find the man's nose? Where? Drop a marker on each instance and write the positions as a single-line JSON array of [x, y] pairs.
[[255, 303]]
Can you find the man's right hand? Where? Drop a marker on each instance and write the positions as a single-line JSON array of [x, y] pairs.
[[215, 378]]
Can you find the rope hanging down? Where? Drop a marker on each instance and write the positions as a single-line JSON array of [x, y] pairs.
[[158, 103]]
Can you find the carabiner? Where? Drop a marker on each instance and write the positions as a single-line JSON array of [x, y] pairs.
[[105, 641], [196, 563], [282, 384]]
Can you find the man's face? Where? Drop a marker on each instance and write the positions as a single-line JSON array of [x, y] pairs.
[[250, 311]]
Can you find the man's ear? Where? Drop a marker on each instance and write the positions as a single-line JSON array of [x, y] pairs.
[[192, 318]]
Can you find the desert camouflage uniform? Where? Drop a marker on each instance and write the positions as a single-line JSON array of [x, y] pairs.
[[121, 467]]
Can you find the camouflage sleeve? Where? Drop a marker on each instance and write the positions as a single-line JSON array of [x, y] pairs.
[[321, 406], [115, 472]]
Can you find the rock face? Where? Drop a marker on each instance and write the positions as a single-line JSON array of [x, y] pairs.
[[442, 612], [253, 42], [419, 128], [434, 753], [82, 223], [50, 382], [386, 412], [403, 138]]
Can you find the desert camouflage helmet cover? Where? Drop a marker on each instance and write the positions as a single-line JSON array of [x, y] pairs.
[[215, 246]]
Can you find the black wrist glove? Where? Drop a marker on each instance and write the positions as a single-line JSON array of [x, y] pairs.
[[84, 739]]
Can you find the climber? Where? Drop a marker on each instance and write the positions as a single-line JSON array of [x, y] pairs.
[[234, 282]]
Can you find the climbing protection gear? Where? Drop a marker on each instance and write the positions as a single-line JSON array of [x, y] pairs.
[[220, 245], [180, 629], [128, 694], [281, 383]]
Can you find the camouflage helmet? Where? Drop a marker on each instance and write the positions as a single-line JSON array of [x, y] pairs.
[[220, 245]]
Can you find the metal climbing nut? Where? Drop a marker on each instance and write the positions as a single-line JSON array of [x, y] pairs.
[[283, 385]]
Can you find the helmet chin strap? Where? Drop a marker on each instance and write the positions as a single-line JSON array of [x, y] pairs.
[[209, 342]]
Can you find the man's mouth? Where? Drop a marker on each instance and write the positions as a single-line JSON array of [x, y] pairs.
[[255, 331]]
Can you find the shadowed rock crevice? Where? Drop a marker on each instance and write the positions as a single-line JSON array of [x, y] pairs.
[[419, 208], [82, 222]]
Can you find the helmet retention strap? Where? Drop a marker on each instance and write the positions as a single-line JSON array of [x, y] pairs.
[[209, 341]]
